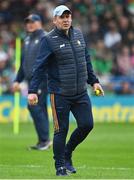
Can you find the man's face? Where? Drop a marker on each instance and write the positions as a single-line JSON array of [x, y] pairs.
[[64, 21], [32, 26]]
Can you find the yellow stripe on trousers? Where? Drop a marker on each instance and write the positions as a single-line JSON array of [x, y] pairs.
[[55, 119]]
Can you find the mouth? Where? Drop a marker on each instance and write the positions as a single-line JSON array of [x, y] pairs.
[[65, 24]]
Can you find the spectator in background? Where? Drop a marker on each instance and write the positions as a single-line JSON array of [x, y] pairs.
[[94, 33], [112, 38], [124, 61], [102, 59], [130, 38], [3, 60], [5, 14], [3, 64], [132, 57], [124, 89], [118, 9], [123, 27], [130, 7]]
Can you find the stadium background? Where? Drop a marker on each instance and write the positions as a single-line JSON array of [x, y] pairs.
[[108, 28], [107, 153]]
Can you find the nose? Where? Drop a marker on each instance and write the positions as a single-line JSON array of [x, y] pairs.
[[66, 19]]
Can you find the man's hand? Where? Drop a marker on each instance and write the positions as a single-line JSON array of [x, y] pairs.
[[32, 99], [96, 87], [16, 87]]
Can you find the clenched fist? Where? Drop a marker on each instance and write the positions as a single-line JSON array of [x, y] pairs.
[[97, 87], [16, 87], [32, 99]]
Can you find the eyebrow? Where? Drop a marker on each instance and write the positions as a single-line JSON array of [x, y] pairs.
[[65, 15]]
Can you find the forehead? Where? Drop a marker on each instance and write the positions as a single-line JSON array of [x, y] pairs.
[[30, 22], [65, 14]]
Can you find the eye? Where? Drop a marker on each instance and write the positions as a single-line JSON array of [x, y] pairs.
[[64, 16]]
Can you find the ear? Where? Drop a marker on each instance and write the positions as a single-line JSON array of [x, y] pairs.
[[54, 20]]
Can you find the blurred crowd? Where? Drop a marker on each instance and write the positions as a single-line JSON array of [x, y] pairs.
[[108, 27]]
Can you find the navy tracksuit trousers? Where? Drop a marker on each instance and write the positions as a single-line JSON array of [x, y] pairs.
[[40, 117], [80, 106]]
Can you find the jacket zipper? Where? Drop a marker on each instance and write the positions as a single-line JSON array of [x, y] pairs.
[[76, 63]]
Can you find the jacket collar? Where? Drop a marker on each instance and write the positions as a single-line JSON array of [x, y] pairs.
[[36, 33], [62, 33]]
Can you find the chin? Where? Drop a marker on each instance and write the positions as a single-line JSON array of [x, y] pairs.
[[66, 28], [30, 30]]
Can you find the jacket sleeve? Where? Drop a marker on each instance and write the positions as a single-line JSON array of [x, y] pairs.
[[92, 79], [40, 66], [20, 74]]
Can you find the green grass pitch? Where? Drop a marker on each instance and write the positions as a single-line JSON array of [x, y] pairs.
[[107, 153]]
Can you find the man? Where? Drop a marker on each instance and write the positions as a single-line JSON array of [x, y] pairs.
[[30, 49], [63, 53]]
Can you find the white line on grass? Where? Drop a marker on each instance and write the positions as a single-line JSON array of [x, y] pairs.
[[80, 167], [106, 168], [20, 166], [69, 178]]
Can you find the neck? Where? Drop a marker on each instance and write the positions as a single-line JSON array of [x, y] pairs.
[[36, 30], [66, 32], [35, 33]]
